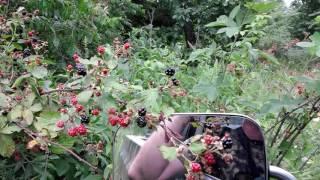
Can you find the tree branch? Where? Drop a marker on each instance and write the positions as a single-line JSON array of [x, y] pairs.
[[63, 90], [33, 135]]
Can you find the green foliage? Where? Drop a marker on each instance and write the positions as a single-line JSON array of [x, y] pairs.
[[229, 70]]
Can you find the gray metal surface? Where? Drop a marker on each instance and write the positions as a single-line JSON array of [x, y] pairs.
[[280, 173]]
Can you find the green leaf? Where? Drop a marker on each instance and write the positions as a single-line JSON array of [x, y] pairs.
[[3, 100], [9, 129], [221, 21], [234, 12], [93, 177], [231, 31], [28, 101], [112, 63], [65, 141], [62, 167], [168, 153], [315, 38], [27, 116], [112, 84], [318, 52], [36, 107], [261, 7], [84, 96], [46, 123], [20, 79], [197, 147], [305, 44], [15, 113], [151, 99], [7, 145], [39, 72], [268, 57], [208, 89], [200, 54]]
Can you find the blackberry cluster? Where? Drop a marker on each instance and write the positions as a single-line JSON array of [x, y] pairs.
[[141, 120], [170, 72], [26, 53], [81, 70], [84, 119], [142, 112], [227, 143], [175, 82]]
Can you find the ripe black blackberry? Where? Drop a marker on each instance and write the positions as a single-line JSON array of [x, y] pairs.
[[4, 113], [26, 52], [170, 72], [175, 82], [141, 121], [81, 70], [142, 112], [227, 143], [84, 119]]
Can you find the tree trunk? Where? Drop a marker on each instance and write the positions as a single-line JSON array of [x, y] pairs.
[[189, 33]]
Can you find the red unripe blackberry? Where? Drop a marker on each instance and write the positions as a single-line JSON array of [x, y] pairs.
[[82, 130], [126, 45], [195, 167], [79, 107], [60, 124], [73, 132]]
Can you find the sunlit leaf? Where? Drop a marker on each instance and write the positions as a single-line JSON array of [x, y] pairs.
[[305, 44], [16, 113], [36, 107], [84, 96], [168, 153], [234, 12], [39, 72], [7, 145], [197, 147]]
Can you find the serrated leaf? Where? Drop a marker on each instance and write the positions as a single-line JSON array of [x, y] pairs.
[[207, 89], [112, 63], [36, 107], [28, 101], [39, 72], [62, 167], [15, 113], [231, 31], [9, 129], [151, 99], [84, 96], [7, 145], [46, 123], [64, 140], [221, 21], [27, 116], [197, 147], [305, 44], [20, 79], [201, 54], [3, 100], [234, 12], [261, 7], [168, 153]]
